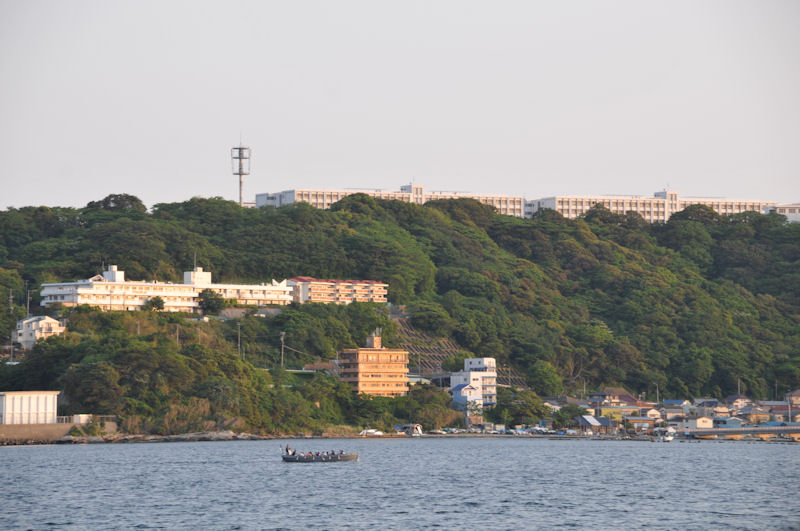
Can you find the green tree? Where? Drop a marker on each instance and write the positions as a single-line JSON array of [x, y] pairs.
[[544, 379], [153, 304], [565, 417], [210, 301]]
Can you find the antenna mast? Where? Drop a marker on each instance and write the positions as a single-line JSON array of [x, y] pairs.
[[240, 161]]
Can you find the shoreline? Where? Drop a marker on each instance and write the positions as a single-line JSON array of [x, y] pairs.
[[229, 435]]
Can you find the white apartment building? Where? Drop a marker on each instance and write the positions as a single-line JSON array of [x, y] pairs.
[[28, 407], [411, 193], [790, 210], [480, 374], [656, 209], [308, 289], [110, 291], [32, 329]]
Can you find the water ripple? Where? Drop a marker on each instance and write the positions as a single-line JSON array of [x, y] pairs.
[[500, 483]]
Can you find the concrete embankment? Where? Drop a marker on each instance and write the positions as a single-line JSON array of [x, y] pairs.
[[32, 433], [59, 434]]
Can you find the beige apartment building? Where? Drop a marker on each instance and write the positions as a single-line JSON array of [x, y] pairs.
[[656, 209], [308, 289], [110, 291], [411, 193], [375, 370], [32, 329]]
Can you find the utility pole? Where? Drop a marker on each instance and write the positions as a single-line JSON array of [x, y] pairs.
[[28, 300], [239, 339], [283, 334], [177, 335]]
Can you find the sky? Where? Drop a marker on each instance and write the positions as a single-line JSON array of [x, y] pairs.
[[525, 98]]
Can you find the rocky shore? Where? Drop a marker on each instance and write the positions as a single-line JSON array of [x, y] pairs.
[[226, 435]]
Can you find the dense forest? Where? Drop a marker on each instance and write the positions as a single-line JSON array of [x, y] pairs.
[[696, 306]]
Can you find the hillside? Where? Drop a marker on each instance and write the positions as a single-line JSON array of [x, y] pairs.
[[693, 306]]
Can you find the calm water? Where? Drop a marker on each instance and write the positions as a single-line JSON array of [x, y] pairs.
[[501, 483]]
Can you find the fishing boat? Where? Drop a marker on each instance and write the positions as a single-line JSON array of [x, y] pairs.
[[665, 435], [300, 457]]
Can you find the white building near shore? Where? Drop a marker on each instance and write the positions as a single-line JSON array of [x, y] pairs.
[[28, 407], [477, 383]]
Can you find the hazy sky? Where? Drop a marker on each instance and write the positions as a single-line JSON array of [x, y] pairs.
[[526, 98]]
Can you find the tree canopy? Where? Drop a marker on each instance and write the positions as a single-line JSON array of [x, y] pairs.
[[694, 305]]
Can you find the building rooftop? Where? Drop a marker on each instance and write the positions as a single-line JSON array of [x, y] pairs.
[[335, 281]]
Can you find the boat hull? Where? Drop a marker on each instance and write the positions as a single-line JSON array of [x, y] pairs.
[[319, 458]]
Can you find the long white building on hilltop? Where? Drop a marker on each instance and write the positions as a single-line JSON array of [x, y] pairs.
[[110, 291], [411, 193], [790, 210], [656, 209]]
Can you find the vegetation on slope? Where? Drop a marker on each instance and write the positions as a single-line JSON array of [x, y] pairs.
[[694, 305]]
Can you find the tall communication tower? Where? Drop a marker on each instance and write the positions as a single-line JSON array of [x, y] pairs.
[[240, 161]]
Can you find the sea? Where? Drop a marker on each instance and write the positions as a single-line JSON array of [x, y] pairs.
[[447, 482]]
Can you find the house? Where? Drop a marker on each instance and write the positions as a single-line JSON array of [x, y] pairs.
[[678, 402], [717, 411], [375, 370], [557, 402], [728, 422], [698, 423], [590, 423], [28, 407], [613, 396], [650, 412], [794, 398], [32, 329], [587, 423], [669, 412], [754, 414], [706, 402], [467, 397], [781, 413], [616, 412], [737, 401], [606, 424], [480, 373], [639, 423]]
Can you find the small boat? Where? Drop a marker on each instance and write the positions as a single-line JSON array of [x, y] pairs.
[[318, 458]]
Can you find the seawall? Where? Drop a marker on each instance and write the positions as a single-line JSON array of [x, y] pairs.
[[39, 433]]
